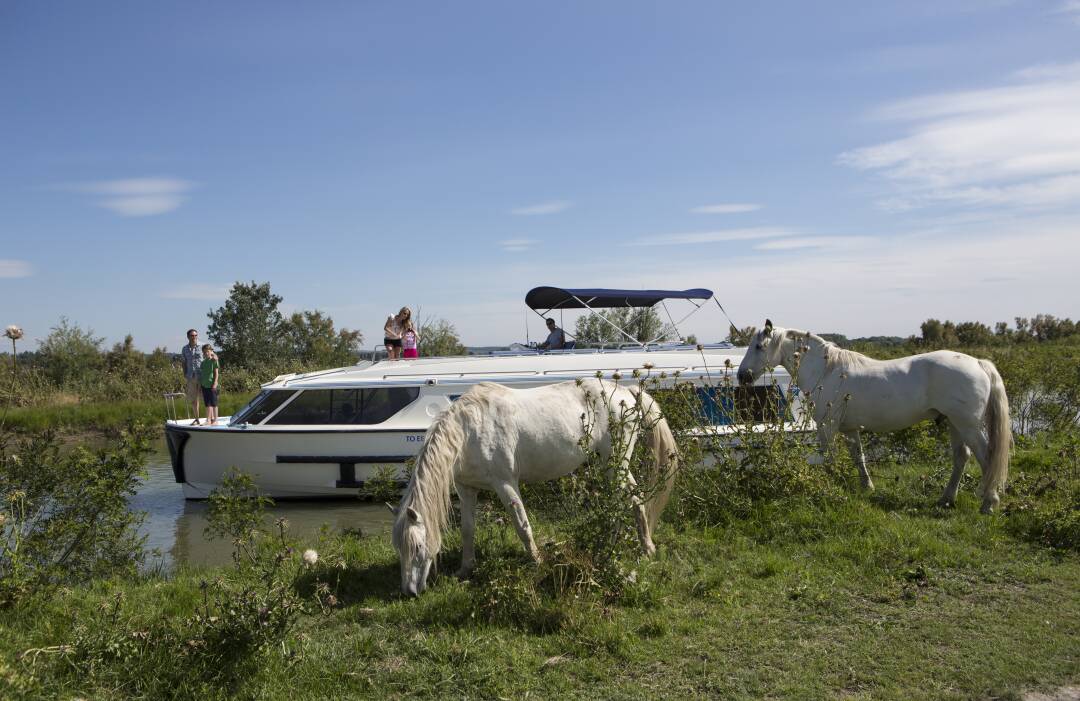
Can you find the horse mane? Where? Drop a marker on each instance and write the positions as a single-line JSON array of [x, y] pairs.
[[835, 356], [428, 492]]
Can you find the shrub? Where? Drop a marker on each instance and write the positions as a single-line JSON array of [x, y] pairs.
[[65, 516]]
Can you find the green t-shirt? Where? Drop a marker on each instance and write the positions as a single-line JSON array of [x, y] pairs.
[[207, 372]]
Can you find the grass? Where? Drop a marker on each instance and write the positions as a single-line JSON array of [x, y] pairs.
[[881, 596], [84, 416]]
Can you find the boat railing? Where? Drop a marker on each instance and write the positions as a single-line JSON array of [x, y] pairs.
[[623, 348], [170, 406]]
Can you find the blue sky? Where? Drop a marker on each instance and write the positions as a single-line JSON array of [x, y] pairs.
[[848, 166]]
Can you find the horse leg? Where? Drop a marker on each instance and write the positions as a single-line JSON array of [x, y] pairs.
[[854, 443], [467, 497], [973, 437], [644, 533], [960, 455], [628, 482], [511, 499]]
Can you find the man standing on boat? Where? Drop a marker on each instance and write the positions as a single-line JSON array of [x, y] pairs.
[[556, 339], [192, 360]]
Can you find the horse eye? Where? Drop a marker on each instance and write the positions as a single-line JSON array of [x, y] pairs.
[[760, 347]]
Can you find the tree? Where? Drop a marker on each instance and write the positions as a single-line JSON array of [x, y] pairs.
[[123, 358], [69, 353], [438, 337], [248, 328], [643, 325], [932, 333], [740, 337], [837, 338], [974, 333], [310, 338]]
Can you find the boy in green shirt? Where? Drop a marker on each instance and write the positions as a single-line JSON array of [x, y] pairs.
[[210, 378]]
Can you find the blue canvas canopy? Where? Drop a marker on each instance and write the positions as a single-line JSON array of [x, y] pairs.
[[562, 298]]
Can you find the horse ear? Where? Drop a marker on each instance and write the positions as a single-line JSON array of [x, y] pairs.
[[413, 516], [768, 325]]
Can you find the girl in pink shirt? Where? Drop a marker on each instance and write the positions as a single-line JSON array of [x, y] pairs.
[[410, 341]]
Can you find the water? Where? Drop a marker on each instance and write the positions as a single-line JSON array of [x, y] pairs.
[[174, 526]]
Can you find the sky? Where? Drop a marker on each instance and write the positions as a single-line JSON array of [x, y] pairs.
[[844, 167]]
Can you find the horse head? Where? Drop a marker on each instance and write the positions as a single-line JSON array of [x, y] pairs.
[[765, 351], [410, 539]]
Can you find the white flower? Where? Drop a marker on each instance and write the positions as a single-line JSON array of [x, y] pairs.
[[13, 332], [310, 557]]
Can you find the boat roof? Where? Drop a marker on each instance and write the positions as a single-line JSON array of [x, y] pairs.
[[602, 298], [531, 366]]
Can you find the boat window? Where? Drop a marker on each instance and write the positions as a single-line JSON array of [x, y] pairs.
[[346, 406], [262, 406], [723, 406]]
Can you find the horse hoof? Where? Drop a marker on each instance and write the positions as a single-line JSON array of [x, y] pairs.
[[463, 574], [946, 503], [868, 486], [987, 508]]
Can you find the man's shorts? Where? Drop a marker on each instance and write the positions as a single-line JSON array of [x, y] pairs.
[[193, 390]]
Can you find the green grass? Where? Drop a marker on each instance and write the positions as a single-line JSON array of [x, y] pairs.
[[102, 415], [881, 596]]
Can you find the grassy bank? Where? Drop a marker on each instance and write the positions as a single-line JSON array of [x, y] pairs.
[[102, 416], [867, 596]]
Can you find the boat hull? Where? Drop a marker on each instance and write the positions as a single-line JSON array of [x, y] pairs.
[[299, 464]]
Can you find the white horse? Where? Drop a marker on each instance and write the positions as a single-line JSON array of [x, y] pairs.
[[494, 437], [852, 392]]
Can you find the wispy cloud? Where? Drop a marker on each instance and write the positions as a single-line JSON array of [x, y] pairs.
[[15, 268], [695, 237], [203, 291], [550, 207], [1016, 146], [517, 245], [1070, 8], [733, 208], [833, 242], [136, 197]]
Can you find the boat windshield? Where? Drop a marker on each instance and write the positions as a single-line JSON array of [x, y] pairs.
[[264, 404]]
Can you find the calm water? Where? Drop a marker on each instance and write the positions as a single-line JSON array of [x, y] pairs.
[[174, 526]]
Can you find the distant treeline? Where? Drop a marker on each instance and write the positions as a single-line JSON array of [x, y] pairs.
[[934, 333]]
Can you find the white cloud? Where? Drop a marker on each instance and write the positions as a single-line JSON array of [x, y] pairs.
[[199, 291], [832, 242], [517, 245], [696, 237], [725, 208], [1016, 146], [552, 207], [1070, 8], [15, 268], [137, 197]]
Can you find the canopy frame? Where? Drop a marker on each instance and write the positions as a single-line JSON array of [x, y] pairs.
[[551, 298]]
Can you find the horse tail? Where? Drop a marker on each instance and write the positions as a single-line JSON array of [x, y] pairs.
[[661, 441], [999, 434]]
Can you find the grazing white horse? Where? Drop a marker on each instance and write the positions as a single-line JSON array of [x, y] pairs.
[[853, 392], [494, 437]]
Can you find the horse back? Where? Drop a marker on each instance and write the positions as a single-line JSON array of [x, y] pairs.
[[891, 394]]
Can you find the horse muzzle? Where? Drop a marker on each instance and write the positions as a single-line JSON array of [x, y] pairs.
[[746, 377]]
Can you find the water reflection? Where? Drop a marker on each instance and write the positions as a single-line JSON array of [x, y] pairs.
[[174, 526]]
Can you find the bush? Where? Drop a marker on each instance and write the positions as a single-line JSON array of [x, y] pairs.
[[241, 616], [65, 516]]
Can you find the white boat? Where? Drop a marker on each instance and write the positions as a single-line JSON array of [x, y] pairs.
[[324, 434]]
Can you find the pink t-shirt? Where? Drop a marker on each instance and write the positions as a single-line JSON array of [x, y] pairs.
[[408, 340]]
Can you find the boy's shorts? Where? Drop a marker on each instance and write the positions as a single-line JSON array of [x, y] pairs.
[[193, 389], [209, 396]]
